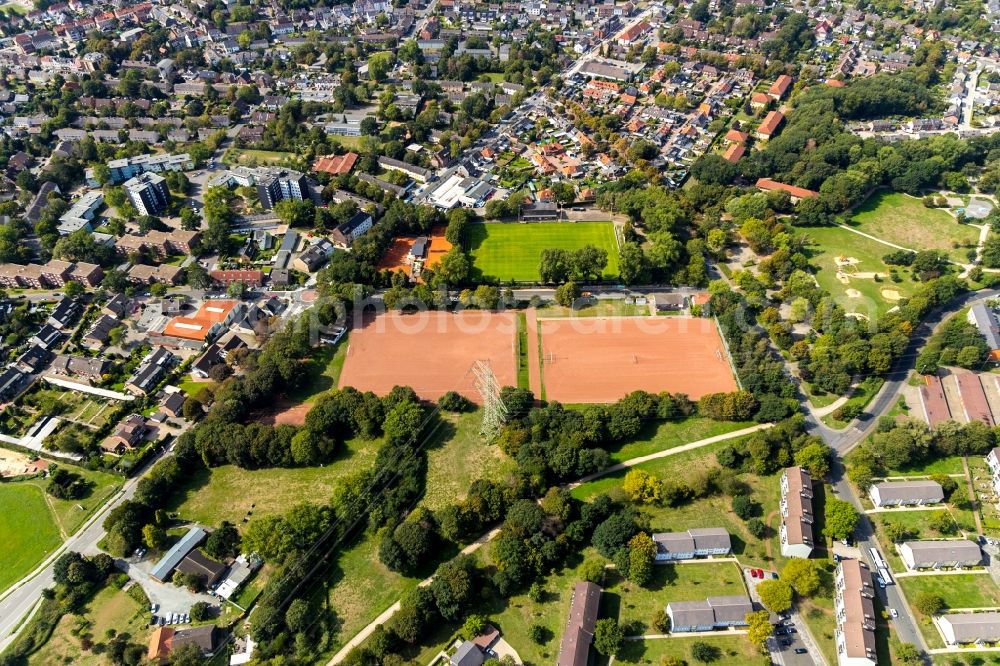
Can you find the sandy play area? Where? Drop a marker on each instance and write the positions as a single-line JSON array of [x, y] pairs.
[[13, 463]]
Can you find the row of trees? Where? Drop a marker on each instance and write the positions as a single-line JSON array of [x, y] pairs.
[[897, 445]]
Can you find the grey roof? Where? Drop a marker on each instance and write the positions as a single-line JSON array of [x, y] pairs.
[[710, 538], [674, 542], [730, 609], [359, 219], [178, 552], [691, 613], [970, 627], [923, 489], [468, 654], [933, 552], [987, 324]]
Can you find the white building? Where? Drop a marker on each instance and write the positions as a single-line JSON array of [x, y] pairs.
[[796, 513]]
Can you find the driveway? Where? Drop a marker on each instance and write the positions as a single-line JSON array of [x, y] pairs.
[[170, 597]]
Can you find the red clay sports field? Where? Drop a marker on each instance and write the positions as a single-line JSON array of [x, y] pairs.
[[582, 360]]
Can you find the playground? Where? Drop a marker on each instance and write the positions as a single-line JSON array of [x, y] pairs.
[[601, 359]]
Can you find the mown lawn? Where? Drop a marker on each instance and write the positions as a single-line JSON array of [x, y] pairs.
[[958, 591], [520, 613], [27, 531], [669, 434], [903, 220], [325, 364], [680, 463], [949, 465], [830, 242], [111, 608], [734, 650], [229, 493], [361, 587], [605, 307], [71, 514], [673, 582], [246, 156], [513, 251], [860, 397]]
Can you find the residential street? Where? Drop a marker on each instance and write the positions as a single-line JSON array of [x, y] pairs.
[[18, 601]]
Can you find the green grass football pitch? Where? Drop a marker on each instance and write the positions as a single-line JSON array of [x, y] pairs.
[[513, 251]]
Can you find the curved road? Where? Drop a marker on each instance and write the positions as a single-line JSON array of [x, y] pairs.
[[20, 600], [842, 441]]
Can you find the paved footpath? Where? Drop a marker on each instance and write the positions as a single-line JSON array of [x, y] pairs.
[[672, 452], [385, 615]]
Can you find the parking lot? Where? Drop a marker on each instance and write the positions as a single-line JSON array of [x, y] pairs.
[[169, 597], [789, 646]]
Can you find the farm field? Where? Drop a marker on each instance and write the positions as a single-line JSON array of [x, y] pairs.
[[513, 251], [603, 359], [862, 295], [903, 220], [227, 492], [111, 608], [28, 534], [432, 352]]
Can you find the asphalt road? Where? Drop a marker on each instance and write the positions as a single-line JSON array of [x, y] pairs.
[[842, 441], [19, 601]]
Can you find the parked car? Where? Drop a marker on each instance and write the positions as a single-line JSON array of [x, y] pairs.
[[801, 650], [786, 643], [153, 620], [893, 613]]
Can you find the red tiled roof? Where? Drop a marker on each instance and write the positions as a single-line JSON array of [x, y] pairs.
[[771, 122], [335, 164], [772, 185]]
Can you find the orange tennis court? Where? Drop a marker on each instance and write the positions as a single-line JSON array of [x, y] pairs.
[[431, 352], [601, 359]]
